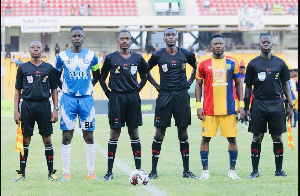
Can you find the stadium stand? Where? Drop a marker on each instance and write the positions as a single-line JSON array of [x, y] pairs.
[[129, 7], [231, 7], [62, 7]]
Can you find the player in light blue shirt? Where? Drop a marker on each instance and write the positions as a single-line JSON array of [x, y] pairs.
[[77, 87]]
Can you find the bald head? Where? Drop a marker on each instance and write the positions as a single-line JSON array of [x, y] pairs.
[[35, 49], [35, 43]]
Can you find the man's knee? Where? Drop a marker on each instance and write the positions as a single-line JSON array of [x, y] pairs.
[[160, 133], [258, 137], [276, 138], [115, 134], [182, 133]]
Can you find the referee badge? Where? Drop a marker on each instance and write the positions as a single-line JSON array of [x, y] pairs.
[[133, 70], [164, 67], [261, 76], [29, 79]]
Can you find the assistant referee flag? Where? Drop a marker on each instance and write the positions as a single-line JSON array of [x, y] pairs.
[[19, 140], [290, 136]]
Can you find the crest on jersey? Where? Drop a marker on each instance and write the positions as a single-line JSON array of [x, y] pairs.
[[228, 66], [117, 69], [164, 67], [133, 70], [261, 76], [87, 61], [29, 79]]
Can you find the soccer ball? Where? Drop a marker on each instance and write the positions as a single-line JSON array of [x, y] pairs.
[[138, 176]]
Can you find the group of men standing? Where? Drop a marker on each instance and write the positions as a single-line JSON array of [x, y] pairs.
[[37, 79]]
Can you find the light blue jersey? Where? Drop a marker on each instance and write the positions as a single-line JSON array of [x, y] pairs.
[[77, 71]]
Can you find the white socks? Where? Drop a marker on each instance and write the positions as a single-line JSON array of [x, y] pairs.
[[65, 156], [90, 157]]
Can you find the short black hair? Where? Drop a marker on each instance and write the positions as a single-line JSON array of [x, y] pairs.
[[123, 31], [265, 34], [77, 28], [216, 35], [242, 67], [168, 29]]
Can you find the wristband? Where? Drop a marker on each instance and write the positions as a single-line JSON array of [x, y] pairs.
[[246, 103], [198, 105], [242, 104]]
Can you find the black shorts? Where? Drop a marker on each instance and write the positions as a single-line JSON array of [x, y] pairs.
[[39, 111], [124, 107], [176, 103], [267, 112]]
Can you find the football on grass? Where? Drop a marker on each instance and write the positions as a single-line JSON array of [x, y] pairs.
[[138, 176]]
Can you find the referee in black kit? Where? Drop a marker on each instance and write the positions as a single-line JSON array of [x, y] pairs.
[[124, 100], [173, 98], [35, 79], [269, 75]]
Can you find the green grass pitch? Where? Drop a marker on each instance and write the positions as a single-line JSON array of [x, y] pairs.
[[169, 181]]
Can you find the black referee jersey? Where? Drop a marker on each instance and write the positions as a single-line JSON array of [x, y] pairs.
[[172, 68], [123, 72], [267, 76], [36, 81]]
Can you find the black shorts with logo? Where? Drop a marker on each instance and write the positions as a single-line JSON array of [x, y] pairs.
[[176, 103], [124, 107], [39, 111], [267, 112]]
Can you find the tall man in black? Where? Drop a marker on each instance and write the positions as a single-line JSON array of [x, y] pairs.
[[124, 101], [35, 79], [173, 97], [269, 75]]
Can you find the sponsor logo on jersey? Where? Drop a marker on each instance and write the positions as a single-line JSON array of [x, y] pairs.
[[173, 63], [125, 66], [276, 76], [261, 76], [157, 119], [78, 74], [219, 73], [30, 79], [37, 73], [164, 67]]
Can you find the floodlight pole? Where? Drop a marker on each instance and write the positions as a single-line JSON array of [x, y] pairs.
[[3, 57]]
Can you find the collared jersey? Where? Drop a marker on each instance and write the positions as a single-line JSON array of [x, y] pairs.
[[267, 76], [77, 68], [172, 68], [218, 75], [123, 72], [36, 81]]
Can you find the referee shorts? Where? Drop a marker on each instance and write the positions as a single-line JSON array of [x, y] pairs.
[[269, 113], [36, 111], [176, 103], [124, 107]]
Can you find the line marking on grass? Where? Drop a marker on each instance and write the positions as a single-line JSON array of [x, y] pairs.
[[125, 168]]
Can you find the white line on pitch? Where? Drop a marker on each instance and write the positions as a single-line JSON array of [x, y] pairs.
[[126, 169]]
